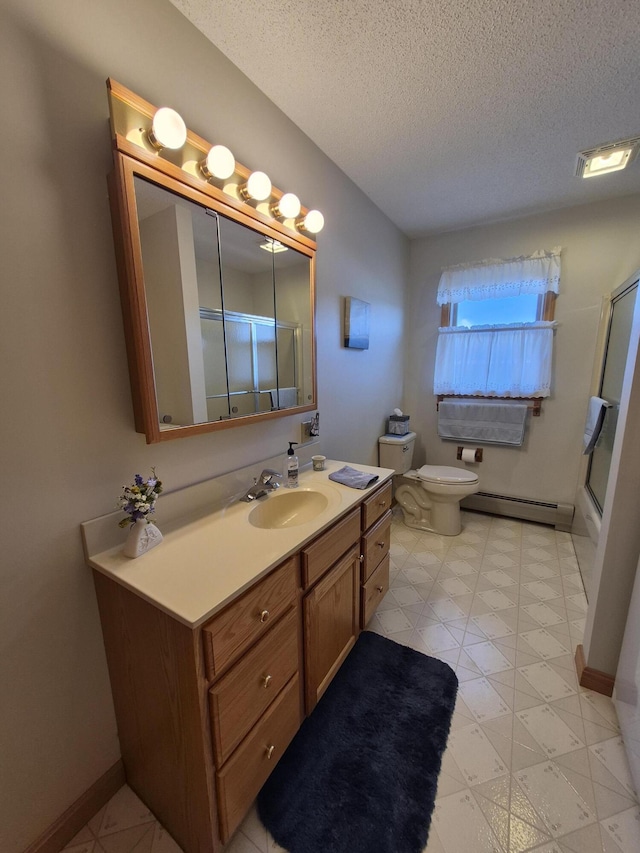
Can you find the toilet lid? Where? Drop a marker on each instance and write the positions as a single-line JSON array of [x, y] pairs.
[[446, 474]]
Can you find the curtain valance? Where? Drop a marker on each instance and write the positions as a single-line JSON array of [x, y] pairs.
[[494, 279]]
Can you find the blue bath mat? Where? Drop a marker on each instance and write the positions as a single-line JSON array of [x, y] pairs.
[[361, 774]]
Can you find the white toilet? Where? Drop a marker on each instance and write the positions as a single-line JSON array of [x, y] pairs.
[[432, 501]]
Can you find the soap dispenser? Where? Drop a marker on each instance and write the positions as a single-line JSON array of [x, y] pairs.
[[291, 467]]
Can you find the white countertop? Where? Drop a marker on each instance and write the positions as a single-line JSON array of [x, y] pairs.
[[208, 558]]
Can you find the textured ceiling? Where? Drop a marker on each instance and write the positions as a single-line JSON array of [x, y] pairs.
[[446, 114]]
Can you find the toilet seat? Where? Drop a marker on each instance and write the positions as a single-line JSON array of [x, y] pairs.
[[446, 474]]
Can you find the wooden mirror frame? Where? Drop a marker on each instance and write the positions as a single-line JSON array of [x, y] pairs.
[[131, 160]]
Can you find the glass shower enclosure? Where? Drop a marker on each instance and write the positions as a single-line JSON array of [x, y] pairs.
[[617, 344]]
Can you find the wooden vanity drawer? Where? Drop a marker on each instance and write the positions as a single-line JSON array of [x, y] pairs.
[[239, 699], [323, 553], [374, 590], [376, 505], [250, 616], [375, 545], [251, 764]]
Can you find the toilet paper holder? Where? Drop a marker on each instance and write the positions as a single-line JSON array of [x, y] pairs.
[[478, 456]]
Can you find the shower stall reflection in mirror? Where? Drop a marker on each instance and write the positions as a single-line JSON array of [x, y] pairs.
[[261, 372]]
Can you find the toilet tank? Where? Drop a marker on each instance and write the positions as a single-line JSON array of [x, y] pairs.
[[396, 451]]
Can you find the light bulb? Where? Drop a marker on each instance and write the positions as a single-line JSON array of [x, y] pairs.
[[257, 187], [220, 163], [288, 207], [602, 164], [168, 130], [313, 222]]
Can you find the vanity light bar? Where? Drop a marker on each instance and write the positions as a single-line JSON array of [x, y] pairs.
[[169, 132]]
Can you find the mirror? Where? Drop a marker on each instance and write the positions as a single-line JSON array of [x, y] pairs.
[[218, 309]]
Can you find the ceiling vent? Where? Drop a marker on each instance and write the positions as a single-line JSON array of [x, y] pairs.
[[611, 157]]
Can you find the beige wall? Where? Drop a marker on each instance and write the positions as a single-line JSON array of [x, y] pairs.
[[68, 442], [600, 249]]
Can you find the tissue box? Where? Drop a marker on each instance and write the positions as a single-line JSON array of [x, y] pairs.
[[398, 425]]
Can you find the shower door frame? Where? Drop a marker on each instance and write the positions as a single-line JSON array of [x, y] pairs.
[[619, 293]]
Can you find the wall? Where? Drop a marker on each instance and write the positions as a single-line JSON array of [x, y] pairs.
[[599, 251], [68, 438], [239, 295]]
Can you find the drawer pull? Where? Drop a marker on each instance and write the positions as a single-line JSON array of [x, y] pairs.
[[361, 558], [270, 750], [266, 681], [264, 615], [380, 544], [382, 503], [380, 588]]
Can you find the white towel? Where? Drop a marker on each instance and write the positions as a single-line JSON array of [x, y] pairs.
[[284, 398], [595, 420]]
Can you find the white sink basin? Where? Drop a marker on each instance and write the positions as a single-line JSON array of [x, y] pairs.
[[288, 509]]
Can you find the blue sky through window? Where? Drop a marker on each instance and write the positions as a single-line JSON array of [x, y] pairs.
[[489, 312]]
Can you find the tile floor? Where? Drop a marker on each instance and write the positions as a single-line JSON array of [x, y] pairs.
[[534, 762]]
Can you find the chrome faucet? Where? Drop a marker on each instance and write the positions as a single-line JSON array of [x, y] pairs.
[[262, 485]]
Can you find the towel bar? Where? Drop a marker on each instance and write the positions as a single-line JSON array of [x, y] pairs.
[[536, 402]]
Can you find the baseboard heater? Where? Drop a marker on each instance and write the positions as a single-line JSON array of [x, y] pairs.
[[559, 515]]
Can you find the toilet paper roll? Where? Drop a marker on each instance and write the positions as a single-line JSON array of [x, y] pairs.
[[468, 454]]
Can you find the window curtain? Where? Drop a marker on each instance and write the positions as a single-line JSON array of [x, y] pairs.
[[503, 360], [537, 273]]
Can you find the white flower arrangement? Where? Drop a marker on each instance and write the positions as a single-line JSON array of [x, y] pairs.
[[139, 499]]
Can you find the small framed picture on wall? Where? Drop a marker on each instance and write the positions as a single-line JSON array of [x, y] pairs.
[[356, 323]]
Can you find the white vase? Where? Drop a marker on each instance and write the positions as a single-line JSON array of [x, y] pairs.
[[142, 537]]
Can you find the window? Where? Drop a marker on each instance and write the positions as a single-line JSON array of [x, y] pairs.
[[485, 312], [496, 337]]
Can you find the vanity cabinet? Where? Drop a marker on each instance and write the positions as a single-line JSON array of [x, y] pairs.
[[376, 505], [239, 698], [375, 544], [255, 708], [331, 607], [249, 617], [374, 590], [344, 601], [330, 625], [204, 713], [249, 768]]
